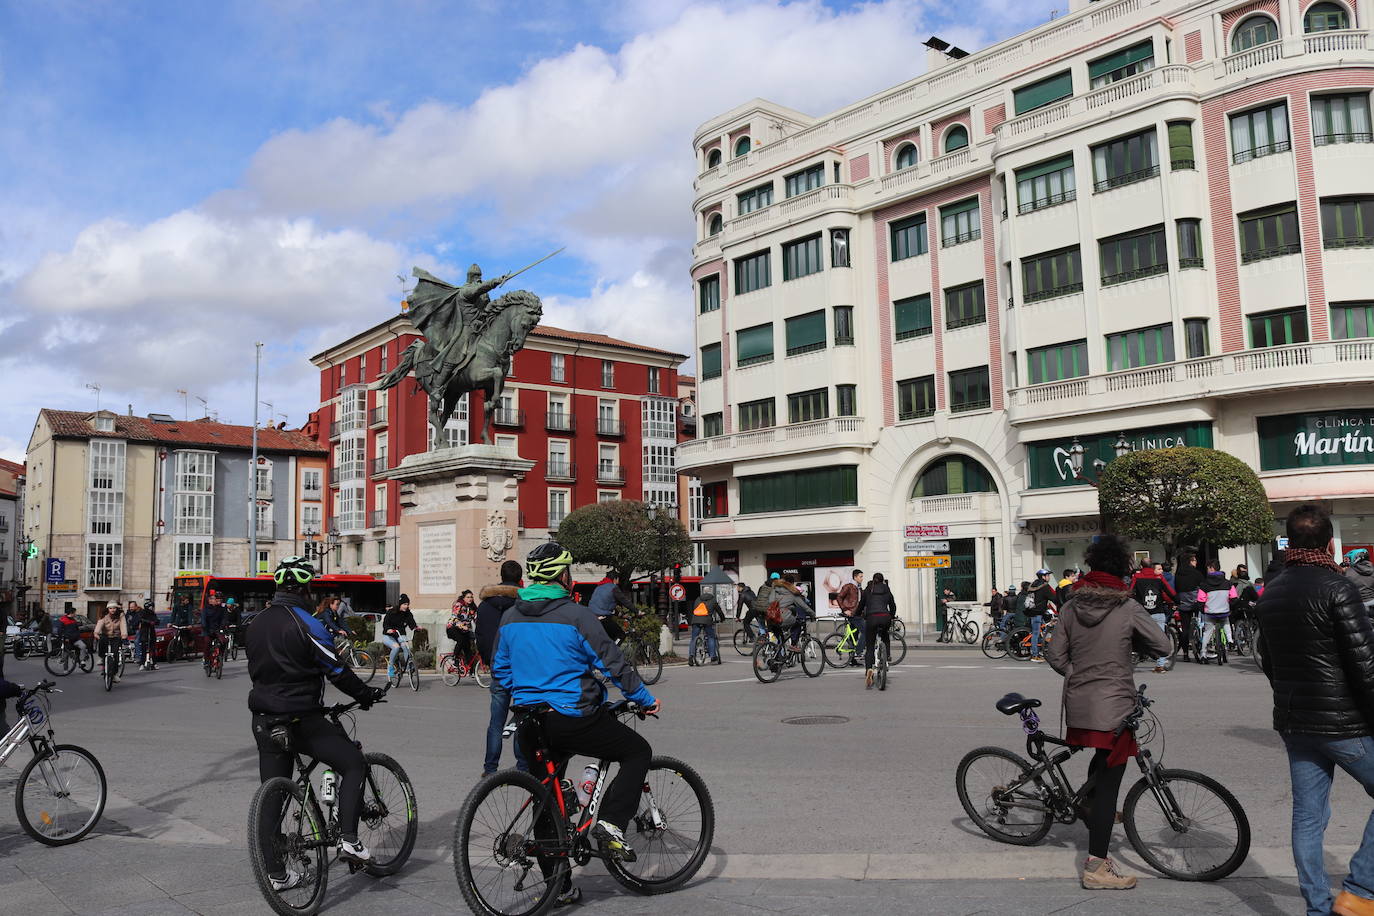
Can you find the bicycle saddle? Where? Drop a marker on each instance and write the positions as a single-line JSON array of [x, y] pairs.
[[1013, 703]]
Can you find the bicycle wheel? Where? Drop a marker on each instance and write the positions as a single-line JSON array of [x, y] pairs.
[[86, 658], [60, 665], [1212, 838], [60, 795], [812, 656], [766, 664], [1221, 645], [481, 673], [448, 669], [968, 633], [995, 644], [286, 832], [647, 661], [1015, 816], [699, 653], [504, 823], [744, 642], [1174, 641], [671, 832], [413, 672], [1018, 644], [234, 649], [836, 654], [364, 665], [898, 628], [880, 661], [107, 676], [219, 664], [898, 650], [389, 820]]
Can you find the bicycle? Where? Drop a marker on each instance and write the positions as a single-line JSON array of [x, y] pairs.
[[407, 668], [71, 654], [1184, 824], [645, 658], [61, 792], [454, 669], [957, 620], [513, 824], [772, 656], [1220, 640], [356, 657], [112, 662], [841, 648], [285, 821], [880, 665], [996, 643], [214, 662], [746, 640], [181, 644]]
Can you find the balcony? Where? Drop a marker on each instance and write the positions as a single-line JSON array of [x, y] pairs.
[[347, 470], [824, 199], [1174, 79], [560, 423], [508, 417], [267, 531], [1244, 372], [957, 507], [832, 432], [264, 489], [377, 417], [562, 470], [377, 518], [4, 524], [610, 473], [609, 426], [380, 464], [313, 493]]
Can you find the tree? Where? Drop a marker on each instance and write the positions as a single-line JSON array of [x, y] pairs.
[[1184, 495], [620, 534]]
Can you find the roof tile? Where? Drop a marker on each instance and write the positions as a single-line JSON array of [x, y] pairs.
[[69, 424]]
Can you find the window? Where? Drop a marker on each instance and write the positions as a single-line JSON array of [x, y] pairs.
[[1053, 274], [607, 423], [805, 180], [193, 513], [107, 466], [1325, 17], [607, 373], [754, 345], [752, 272], [846, 401], [1189, 243], [659, 464], [1057, 362], [710, 361], [959, 223], [1262, 132], [558, 464], [1042, 93], [104, 564], [712, 425], [312, 519], [952, 476], [263, 472], [1278, 328], [262, 515], [916, 398], [456, 429], [844, 325], [741, 146], [1341, 119], [839, 247], [351, 509], [708, 293], [1181, 145], [808, 405], [381, 551], [713, 158], [104, 424], [105, 512], [956, 138], [756, 415], [1352, 319], [1252, 32], [607, 496], [658, 418], [1269, 233], [1133, 256], [1144, 347], [195, 472], [508, 442], [1048, 184], [557, 368], [813, 488], [912, 317], [969, 389], [908, 237], [715, 500], [806, 333], [654, 373], [802, 258], [352, 408], [1348, 222], [1124, 161], [383, 363], [194, 556], [1115, 67], [558, 507], [714, 224], [755, 199], [964, 305], [1195, 338], [907, 156]]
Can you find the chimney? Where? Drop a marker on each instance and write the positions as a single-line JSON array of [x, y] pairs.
[[935, 53]]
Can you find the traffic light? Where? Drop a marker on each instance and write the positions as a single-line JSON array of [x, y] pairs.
[[677, 572]]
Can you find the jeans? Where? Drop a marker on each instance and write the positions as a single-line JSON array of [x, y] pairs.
[[1163, 621], [1209, 626], [395, 645], [500, 709], [712, 646], [1036, 623], [1312, 760]]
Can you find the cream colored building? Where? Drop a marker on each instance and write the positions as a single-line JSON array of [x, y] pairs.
[[1143, 221]]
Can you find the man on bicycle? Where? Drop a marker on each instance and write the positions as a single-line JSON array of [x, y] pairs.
[[395, 624], [289, 657], [110, 633], [147, 636], [212, 624], [548, 651], [878, 607]]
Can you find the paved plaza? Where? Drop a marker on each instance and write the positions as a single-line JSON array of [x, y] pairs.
[[854, 818]]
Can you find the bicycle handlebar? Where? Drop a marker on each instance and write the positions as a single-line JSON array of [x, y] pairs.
[[338, 709]]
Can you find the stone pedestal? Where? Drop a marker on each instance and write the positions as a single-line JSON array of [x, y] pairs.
[[459, 521]]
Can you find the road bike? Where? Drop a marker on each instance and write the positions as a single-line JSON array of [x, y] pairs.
[[1183, 824], [60, 794], [957, 622], [455, 668], [841, 648], [519, 835], [405, 669], [214, 661], [356, 657], [288, 831], [645, 658], [71, 654], [774, 654]]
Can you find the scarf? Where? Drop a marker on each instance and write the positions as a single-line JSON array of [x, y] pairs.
[[1101, 580], [1307, 556], [542, 591]]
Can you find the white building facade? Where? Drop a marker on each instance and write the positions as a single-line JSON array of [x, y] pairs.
[[1144, 220]]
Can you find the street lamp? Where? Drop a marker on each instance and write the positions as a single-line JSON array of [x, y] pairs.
[[1076, 452], [319, 550], [21, 586], [653, 511]]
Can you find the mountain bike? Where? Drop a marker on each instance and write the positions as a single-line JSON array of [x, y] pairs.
[[406, 668], [1220, 641], [69, 656], [60, 794], [957, 622], [455, 668], [288, 831], [880, 665], [841, 648], [519, 835], [356, 657], [645, 658], [1242, 639], [1183, 824], [774, 654], [214, 662]]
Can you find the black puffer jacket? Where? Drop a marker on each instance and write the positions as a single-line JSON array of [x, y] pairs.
[[1318, 653], [496, 600]]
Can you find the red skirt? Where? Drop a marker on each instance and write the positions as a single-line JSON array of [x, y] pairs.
[[1123, 746]]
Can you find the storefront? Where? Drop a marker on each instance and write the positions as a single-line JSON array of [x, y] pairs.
[[820, 575], [1049, 461]]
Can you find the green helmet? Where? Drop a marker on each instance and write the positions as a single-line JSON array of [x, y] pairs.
[[294, 572], [547, 562]]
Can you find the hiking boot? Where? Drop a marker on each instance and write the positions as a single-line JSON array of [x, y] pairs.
[[1101, 875], [612, 841], [868, 679], [1348, 904]]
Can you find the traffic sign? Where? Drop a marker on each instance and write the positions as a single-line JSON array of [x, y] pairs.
[[57, 588], [941, 562], [927, 531], [677, 593], [923, 546], [54, 570]]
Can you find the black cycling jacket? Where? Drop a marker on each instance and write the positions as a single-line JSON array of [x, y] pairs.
[[290, 654]]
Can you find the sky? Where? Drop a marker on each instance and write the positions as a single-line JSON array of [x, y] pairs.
[[182, 180]]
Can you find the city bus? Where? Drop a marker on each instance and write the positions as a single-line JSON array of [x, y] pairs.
[[365, 594]]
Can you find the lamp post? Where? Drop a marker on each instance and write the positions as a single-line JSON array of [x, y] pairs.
[[319, 550], [659, 525], [1121, 447], [21, 586]]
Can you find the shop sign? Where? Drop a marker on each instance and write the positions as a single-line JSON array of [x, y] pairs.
[[1054, 551], [1066, 527], [926, 547], [927, 531], [1316, 440], [941, 562], [68, 586], [1048, 459]]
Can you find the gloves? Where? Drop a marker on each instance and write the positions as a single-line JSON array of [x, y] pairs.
[[370, 695]]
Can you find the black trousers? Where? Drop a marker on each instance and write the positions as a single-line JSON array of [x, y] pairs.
[[882, 629], [1101, 802], [314, 736], [107, 642], [614, 630], [604, 737]]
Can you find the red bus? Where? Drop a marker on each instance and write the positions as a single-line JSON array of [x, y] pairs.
[[365, 594]]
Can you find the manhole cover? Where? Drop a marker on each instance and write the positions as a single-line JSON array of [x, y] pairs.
[[816, 720]]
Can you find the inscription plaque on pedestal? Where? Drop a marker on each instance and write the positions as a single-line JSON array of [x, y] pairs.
[[436, 559]]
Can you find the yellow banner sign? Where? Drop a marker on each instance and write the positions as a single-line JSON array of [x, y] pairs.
[[941, 562]]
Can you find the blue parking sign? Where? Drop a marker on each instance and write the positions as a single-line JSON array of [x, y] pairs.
[[56, 570]]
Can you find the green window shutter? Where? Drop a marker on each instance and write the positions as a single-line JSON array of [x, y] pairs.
[[1045, 168], [963, 206], [912, 317], [710, 361], [806, 333], [1120, 59], [1045, 92], [754, 344], [1180, 142]]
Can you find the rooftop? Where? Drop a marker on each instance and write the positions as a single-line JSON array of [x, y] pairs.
[[76, 424]]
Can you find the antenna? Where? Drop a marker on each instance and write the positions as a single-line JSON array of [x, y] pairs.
[[270, 410], [185, 413], [96, 388], [204, 404]]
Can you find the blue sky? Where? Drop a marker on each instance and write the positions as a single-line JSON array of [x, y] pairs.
[[178, 180]]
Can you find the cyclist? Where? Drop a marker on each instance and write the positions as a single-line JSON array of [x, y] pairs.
[[848, 600], [181, 614], [704, 616], [69, 631], [755, 617], [111, 629], [1042, 604], [459, 629], [330, 613], [605, 599], [1155, 595], [789, 598], [289, 657], [878, 607], [211, 623], [548, 651], [233, 619], [147, 636], [394, 626], [1214, 598]]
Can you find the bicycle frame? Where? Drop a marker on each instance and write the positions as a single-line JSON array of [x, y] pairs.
[[34, 711]]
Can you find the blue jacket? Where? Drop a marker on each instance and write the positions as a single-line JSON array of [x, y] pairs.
[[546, 652], [606, 598]]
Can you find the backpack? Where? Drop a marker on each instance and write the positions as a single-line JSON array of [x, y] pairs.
[[773, 615], [762, 601], [701, 610]]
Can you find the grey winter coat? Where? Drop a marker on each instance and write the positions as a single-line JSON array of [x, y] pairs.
[[1361, 572], [1099, 631]]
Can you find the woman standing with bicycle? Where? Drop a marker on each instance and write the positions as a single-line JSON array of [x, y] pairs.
[[1094, 650], [394, 626]]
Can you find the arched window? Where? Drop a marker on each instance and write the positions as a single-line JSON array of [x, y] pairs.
[[953, 475], [956, 138], [1257, 30], [1325, 17], [714, 224], [713, 158], [742, 146], [906, 156]]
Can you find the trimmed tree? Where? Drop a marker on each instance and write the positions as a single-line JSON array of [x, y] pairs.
[[620, 534], [1184, 495]]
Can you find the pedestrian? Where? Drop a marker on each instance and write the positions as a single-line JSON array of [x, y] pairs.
[[1187, 579], [496, 600], [1022, 606], [1099, 630], [704, 616], [1042, 604], [1061, 593], [1361, 572], [1166, 572], [1214, 596], [1318, 653], [878, 607], [848, 600], [942, 615], [995, 609], [1153, 594]]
